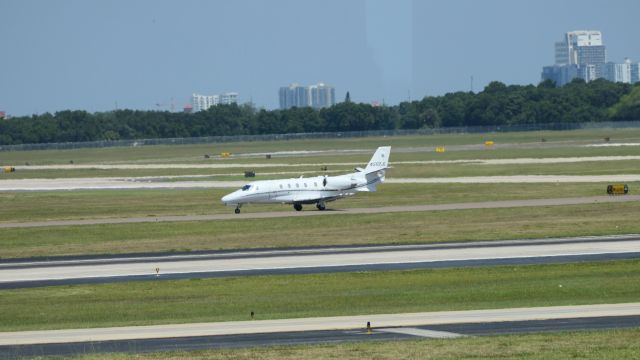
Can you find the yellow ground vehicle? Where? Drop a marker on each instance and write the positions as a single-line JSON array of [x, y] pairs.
[[617, 189]]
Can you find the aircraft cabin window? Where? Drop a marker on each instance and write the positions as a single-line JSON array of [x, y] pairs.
[[297, 185], [305, 184], [280, 186], [246, 187], [315, 184], [289, 186]]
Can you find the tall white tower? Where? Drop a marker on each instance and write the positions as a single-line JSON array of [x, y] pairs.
[[567, 50]]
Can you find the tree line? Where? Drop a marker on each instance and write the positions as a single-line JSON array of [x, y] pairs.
[[497, 105]]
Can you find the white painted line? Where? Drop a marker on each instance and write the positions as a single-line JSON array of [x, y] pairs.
[[518, 179], [432, 334], [613, 145]]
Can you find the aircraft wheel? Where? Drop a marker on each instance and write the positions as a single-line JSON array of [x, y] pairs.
[[321, 206], [298, 207], [237, 211]]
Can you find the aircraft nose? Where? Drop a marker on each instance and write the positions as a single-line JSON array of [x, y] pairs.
[[228, 198]]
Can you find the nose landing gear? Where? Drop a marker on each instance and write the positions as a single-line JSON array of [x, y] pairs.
[[237, 210]]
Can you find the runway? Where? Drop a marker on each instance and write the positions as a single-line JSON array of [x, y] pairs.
[[438, 324], [158, 182], [318, 337], [378, 210], [32, 273], [231, 165]]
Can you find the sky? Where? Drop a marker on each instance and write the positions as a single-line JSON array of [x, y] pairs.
[[147, 54]]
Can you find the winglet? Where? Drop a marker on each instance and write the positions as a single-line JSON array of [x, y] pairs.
[[379, 161]]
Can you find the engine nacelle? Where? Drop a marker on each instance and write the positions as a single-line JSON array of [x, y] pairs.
[[339, 182]]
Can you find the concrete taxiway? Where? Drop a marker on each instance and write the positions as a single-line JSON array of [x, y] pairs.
[[378, 210], [30, 273]]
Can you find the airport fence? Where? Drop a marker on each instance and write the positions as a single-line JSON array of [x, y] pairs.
[[321, 135]]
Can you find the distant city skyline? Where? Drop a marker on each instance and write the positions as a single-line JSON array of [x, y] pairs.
[[98, 55], [582, 54]]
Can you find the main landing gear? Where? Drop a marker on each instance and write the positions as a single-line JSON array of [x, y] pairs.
[[298, 207], [321, 206]]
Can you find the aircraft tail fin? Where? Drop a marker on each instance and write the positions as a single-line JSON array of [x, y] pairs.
[[374, 173], [379, 161]]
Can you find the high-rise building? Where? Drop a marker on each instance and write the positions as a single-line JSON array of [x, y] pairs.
[[300, 96], [294, 95], [580, 54], [317, 96], [635, 72], [587, 72], [560, 74], [289, 96], [568, 50], [592, 55], [322, 96], [229, 98], [618, 72], [204, 102]]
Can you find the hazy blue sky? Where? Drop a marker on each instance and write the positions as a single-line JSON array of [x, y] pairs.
[[91, 55]]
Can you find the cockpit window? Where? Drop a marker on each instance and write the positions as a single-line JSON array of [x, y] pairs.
[[246, 187]]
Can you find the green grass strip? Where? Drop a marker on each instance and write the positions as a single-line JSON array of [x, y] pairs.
[[87, 204], [292, 296], [195, 153], [384, 228]]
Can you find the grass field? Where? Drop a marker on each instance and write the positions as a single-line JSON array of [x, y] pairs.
[[293, 296], [399, 170], [385, 228], [87, 204], [195, 153], [600, 345]]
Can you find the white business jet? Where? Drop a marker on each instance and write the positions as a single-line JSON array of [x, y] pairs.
[[315, 190]]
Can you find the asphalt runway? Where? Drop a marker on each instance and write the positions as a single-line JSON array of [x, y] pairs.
[[231, 165], [329, 212], [441, 324], [158, 182], [315, 337], [65, 271]]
